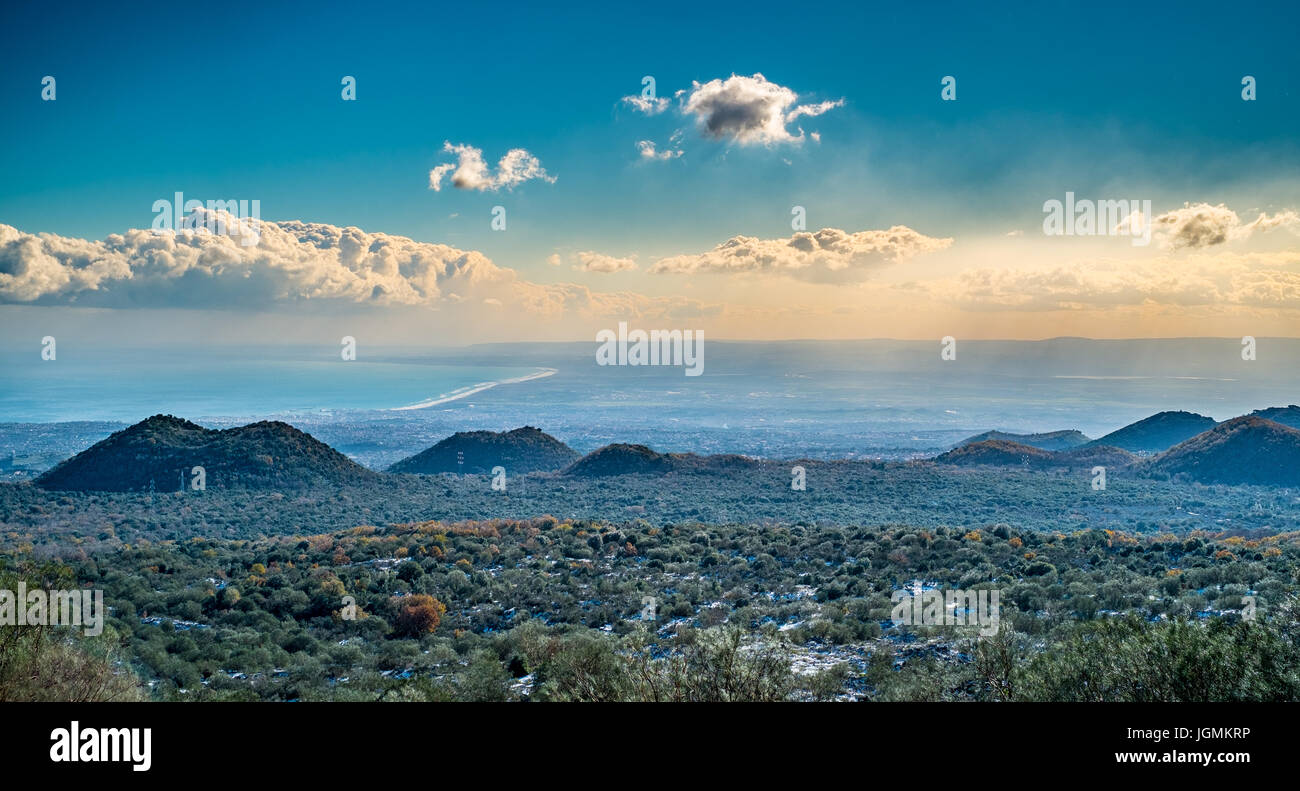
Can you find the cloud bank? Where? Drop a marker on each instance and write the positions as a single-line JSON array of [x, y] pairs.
[[826, 256], [294, 263], [1262, 282]]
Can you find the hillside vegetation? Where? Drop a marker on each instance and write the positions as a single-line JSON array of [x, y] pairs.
[[1051, 440], [1158, 432], [519, 451], [550, 609], [1244, 450], [160, 454]]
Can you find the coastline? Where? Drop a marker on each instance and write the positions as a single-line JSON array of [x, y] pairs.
[[466, 392]]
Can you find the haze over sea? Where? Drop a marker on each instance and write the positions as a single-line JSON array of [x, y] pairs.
[[790, 399]]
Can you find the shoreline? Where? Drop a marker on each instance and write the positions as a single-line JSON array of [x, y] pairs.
[[466, 392]]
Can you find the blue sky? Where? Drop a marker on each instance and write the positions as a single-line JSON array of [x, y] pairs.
[[243, 101]]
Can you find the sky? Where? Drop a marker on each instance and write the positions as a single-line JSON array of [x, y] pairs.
[[921, 217]]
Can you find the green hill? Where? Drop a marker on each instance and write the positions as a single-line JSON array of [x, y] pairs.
[[1286, 415], [1051, 440], [1246, 449], [1157, 433], [624, 459], [163, 450], [1001, 453], [522, 450]]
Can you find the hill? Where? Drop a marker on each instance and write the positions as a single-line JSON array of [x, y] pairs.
[[1094, 456], [1286, 415], [1001, 453], [624, 459], [163, 450], [997, 452], [1157, 433], [1051, 440], [1247, 449], [522, 450]]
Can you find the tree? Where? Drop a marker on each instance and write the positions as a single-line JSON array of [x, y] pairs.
[[417, 614]]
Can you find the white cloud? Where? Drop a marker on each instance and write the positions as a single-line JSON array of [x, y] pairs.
[[598, 262], [812, 110], [471, 172], [826, 256], [750, 110], [650, 105], [650, 151], [1198, 225], [294, 263]]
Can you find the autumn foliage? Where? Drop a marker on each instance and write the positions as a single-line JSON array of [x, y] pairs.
[[417, 614]]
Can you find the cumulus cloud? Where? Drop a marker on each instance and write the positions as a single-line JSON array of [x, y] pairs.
[[827, 256], [750, 110], [294, 263], [471, 172], [598, 262], [1198, 225], [650, 105]]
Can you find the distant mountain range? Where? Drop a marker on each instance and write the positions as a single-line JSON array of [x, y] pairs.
[[1244, 450], [1147, 436], [522, 450], [160, 453]]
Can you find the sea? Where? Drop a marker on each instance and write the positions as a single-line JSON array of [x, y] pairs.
[[886, 399]]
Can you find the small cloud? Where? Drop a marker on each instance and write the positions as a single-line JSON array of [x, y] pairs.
[[750, 110], [649, 151], [554, 259], [605, 264], [1198, 225], [650, 105], [471, 172], [812, 110]]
